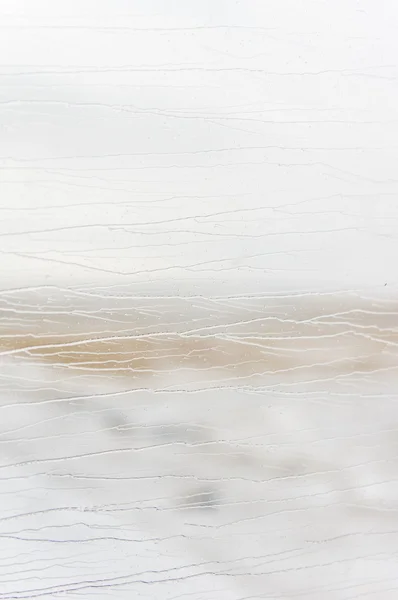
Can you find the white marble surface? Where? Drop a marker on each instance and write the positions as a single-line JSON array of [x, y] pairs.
[[198, 140], [200, 169], [270, 476], [239, 493]]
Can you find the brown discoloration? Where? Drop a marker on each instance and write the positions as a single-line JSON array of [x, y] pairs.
[[336, 336]]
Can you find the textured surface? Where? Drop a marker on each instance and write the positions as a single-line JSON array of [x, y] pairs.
[[261, 465], [198, 300]]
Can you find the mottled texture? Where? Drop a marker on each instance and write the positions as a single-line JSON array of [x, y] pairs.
[[268, 474]]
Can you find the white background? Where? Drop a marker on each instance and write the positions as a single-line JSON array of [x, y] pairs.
[[190, 140]]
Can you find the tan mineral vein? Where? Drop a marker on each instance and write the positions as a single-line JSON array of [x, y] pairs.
[[338, 336]]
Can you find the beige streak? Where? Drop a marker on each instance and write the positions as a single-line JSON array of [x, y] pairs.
[[335, 334]]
